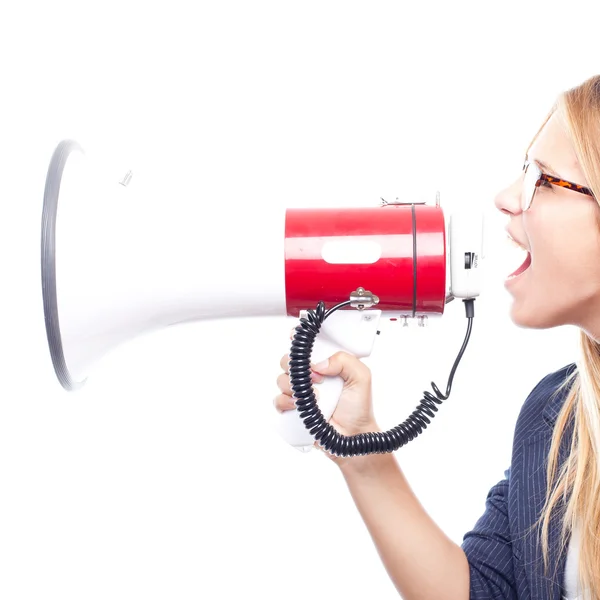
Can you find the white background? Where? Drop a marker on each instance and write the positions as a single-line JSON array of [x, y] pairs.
[[163, 478]]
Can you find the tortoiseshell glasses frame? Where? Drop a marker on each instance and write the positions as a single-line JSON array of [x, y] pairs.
[[534, 178]]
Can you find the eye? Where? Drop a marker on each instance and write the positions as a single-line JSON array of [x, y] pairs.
[[546, 184]]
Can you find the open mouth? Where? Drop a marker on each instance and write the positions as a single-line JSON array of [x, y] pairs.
[[522, 268], [526, 263]]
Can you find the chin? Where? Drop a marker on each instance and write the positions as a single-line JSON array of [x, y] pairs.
[[535, 317]]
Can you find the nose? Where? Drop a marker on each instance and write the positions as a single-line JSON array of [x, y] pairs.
[[508, 201]]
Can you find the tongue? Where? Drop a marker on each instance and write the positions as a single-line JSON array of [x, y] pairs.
[[523, 267]]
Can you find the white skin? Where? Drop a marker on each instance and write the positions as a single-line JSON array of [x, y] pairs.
[[560, 287]]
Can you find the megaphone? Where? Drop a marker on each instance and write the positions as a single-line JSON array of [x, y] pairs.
[[109, 274]]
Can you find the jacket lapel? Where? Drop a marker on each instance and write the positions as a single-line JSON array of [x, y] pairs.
[[533, 473]]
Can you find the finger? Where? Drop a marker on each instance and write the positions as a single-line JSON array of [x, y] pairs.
[[283, 402], [283, 383], [346, 365], [285, 367], [283, 363]]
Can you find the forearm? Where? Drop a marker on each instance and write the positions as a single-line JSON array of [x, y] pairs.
[[421, 560]]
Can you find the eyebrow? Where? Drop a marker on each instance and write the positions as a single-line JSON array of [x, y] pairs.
[[547, 168]]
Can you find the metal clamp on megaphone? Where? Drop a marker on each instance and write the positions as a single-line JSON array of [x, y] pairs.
[[109, 274]]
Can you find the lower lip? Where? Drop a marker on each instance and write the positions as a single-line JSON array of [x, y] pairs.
[[519, 272]]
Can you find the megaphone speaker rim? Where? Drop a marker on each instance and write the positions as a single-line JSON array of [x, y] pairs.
[[48, 257]]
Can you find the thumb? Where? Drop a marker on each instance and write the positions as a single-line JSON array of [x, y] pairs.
[[346, 365]]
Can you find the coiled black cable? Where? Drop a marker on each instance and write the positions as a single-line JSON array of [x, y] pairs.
[[363, 443]]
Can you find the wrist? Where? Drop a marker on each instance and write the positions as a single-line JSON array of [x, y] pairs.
[[369, 426], [368, 464]]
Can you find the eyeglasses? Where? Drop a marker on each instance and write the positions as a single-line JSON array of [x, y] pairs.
[[534, 178]]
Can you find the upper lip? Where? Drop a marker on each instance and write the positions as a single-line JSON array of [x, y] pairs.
[[516, 240]]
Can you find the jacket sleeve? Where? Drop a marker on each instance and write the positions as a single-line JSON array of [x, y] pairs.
[[489, 550]]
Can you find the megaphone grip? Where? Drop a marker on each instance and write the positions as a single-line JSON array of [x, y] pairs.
[[315, 421], [306, 405], [350, 331]]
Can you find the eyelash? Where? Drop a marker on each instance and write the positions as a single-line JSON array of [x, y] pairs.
[[546, 184]]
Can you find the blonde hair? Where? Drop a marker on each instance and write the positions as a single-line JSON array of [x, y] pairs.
[[576, 483]]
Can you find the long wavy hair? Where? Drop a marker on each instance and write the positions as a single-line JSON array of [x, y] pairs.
[[574, 482]]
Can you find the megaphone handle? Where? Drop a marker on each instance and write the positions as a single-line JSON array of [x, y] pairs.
[[349, 331]]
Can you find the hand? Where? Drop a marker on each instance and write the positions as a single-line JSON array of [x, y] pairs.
[[354, 412]]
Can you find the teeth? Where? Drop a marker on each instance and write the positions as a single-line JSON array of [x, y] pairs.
[[516, 244]]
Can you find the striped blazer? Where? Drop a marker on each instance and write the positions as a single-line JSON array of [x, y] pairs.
[[505, 559]]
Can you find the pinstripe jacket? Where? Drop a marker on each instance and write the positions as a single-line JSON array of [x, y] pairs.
[[504, 557]]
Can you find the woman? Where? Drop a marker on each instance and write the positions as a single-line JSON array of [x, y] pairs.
[[539, 536]]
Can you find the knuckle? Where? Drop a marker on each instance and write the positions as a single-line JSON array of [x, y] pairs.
[[353, 364], [283, 381], [347, 359], [283, 402]]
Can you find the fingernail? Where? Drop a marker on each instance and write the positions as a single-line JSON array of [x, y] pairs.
[[317, 377], [322, 365]]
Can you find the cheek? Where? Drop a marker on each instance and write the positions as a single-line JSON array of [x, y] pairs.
[[565, 259]]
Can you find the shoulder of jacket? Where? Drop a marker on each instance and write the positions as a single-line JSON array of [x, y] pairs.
[[544, 394]]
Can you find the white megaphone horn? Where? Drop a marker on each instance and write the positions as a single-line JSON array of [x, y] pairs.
[[110, 273]]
